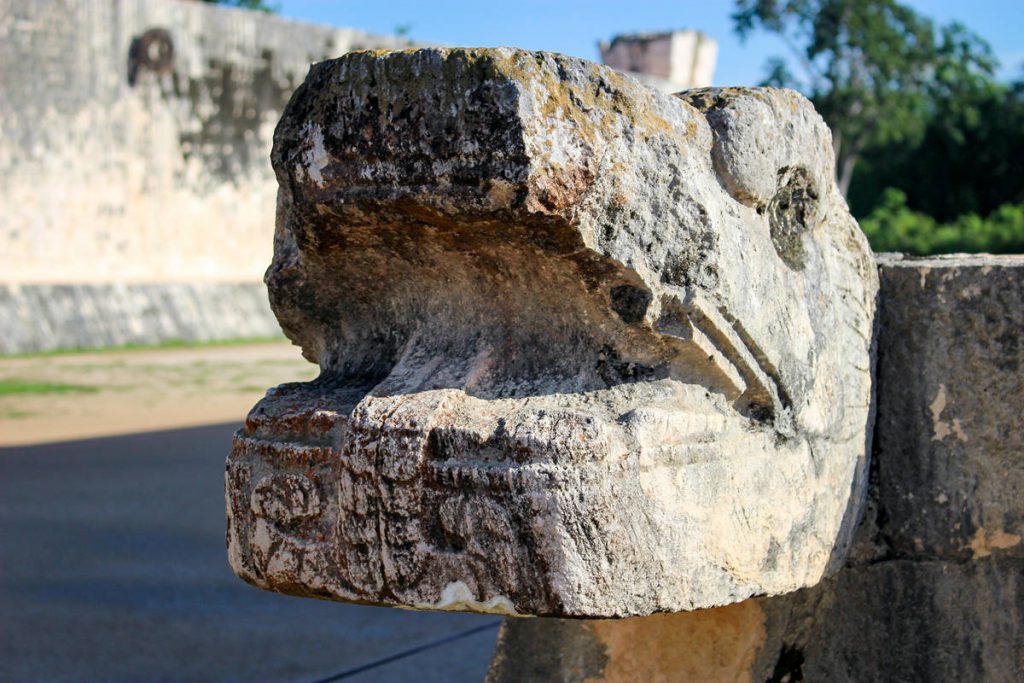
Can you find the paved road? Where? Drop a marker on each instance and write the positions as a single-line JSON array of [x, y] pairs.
[[112, 568]]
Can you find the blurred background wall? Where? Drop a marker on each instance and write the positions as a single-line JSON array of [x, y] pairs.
[[136, 135], [137, 194]]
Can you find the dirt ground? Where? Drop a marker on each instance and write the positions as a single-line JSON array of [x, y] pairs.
[[83, 395]]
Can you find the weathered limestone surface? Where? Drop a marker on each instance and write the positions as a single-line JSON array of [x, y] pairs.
[[934, 589], [586, 349], [950, 437]]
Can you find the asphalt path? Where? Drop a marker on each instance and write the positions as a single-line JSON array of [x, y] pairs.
[[113, 568]]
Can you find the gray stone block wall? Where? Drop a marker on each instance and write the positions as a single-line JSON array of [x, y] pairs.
[[48, 317], [120, 162], [934, 588]]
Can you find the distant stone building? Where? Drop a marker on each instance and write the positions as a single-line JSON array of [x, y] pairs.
[[670, 60]]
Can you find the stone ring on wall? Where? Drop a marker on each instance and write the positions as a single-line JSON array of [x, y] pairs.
[[153, 51]]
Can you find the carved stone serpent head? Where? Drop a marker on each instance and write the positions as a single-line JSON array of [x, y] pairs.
[[585, 349]]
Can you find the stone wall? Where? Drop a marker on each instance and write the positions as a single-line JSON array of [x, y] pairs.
[[135, 136], [670, 61], [934, 588], [38, 317]]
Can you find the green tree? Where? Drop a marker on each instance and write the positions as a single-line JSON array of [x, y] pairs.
[[259, 5], [873, 68], [892, 226], [969, 160]]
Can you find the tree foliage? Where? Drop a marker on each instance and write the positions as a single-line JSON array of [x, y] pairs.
[[970, 158], [873, 68], [259, 5], [892, 226]]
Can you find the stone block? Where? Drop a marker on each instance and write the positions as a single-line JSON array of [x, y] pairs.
[[586, 349], [934, 589], [907, 621], [950, 482]]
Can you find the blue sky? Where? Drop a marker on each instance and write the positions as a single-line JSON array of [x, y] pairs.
[[574, 27]]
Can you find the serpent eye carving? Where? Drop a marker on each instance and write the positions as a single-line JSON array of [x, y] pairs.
[[791, 213]]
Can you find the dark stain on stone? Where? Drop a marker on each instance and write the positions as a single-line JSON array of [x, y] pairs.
[[630, 302], [789, 666], [241, 101], [613, 369], [689, 262]]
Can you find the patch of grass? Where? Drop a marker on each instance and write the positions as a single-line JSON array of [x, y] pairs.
[[167, 344], [14, 413], [253, 388], [21, 387], [83, 367]]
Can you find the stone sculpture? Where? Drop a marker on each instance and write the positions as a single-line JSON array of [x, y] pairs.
[[586, 349], [933, 587]]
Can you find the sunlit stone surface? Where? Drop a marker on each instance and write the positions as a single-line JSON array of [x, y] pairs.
[[586, 349]]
